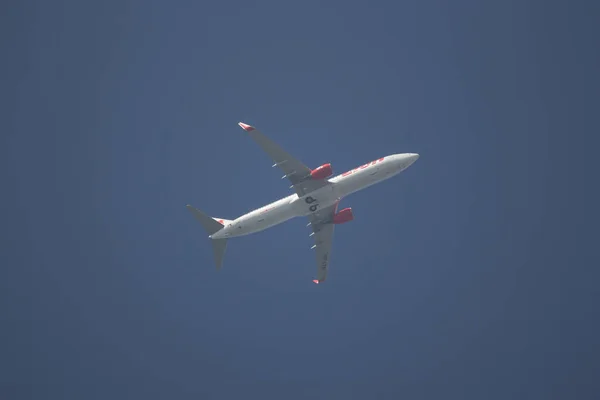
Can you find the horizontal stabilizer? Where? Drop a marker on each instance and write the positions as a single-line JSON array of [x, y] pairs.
[[219, 247], [210, 224]]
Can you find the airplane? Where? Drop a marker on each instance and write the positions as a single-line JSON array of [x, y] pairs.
[[316, 196]]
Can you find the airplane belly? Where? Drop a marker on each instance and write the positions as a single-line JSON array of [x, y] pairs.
[[360, 180], [266, 219], [269, 219], [315, 201]]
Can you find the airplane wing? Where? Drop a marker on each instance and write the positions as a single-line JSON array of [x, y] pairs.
[[322, 226], [293, 169]]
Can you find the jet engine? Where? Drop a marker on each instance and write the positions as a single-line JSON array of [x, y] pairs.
[[322, 172], [343, 216]]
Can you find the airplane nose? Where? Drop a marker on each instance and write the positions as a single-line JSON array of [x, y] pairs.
[[411, 157]]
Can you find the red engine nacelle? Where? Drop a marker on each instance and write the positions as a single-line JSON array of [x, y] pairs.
[[322, 172], [343, 216]]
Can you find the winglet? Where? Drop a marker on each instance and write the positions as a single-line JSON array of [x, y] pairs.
[[316, 281], [246, 127]]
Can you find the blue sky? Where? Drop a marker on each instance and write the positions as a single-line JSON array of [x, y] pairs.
[[470, 275]]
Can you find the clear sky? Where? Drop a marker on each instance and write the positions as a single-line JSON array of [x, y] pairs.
[[471, 275]]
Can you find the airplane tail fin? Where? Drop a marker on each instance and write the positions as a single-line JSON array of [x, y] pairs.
[[212, 225]]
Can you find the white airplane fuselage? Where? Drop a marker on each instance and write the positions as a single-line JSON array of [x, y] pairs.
[[295, 206]]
